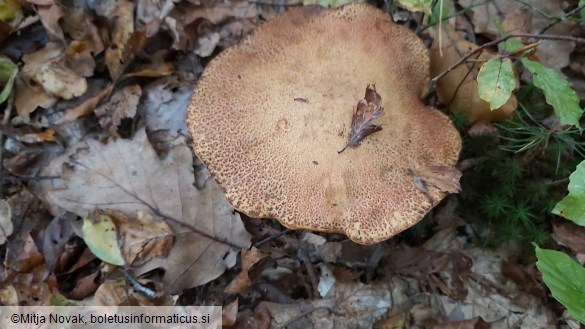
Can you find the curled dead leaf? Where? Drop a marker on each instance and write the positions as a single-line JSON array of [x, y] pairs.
[[367, 110], [445, 178], [242, 281]]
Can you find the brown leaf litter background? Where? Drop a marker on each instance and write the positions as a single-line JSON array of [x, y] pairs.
[[96, 124]]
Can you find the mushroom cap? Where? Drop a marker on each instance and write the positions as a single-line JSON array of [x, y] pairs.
[[270, 115]]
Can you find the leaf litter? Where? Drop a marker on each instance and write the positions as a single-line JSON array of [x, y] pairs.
[[86, 88], [128, 176]]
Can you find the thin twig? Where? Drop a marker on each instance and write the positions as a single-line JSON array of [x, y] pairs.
[[312, 279], [160, 213], [561, 181], [481, 48], [271, 237], [562, 18]]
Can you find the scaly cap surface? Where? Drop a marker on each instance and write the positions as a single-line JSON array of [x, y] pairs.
[[270, 114]]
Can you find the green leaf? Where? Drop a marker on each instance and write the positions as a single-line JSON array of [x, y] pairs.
[[557, 91], [582, 11], [448, 11], [565, 278], [495, 82], [573, 205], [511, 45], [8, 71], [424, 6], [9, 9], [102, 239]]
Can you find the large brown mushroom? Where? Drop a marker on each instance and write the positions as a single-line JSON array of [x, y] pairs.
[[270, 115]]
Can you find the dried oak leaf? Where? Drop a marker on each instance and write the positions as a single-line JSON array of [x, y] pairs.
[[128, 176]]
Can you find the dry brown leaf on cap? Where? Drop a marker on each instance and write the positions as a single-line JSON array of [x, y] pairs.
[[128, 176], [367, 110], [458, 89]]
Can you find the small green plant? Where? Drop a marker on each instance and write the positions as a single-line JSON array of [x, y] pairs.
[[572, 207], [8, 71], [527, 135], [565, 278]]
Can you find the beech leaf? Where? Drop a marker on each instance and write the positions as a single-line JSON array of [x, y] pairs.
[[128, 176], [496, 82], [99, 233], [8, 71], [572, 206], [565, 278], [557, 92]]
